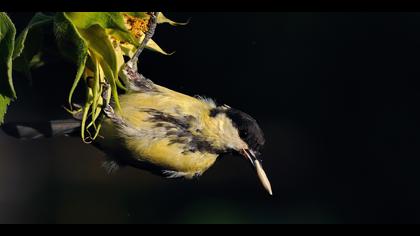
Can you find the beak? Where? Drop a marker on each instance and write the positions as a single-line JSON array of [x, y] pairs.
[[250, 155]]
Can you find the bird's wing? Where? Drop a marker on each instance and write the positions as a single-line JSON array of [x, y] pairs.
[[161, 129]]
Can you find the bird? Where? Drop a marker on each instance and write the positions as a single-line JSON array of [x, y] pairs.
[[163, 131]]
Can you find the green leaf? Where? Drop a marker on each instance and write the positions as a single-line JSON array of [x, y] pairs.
[[100, 44], [22, 65], [7, 41], [33, 28], [98, 41], [152, 45], [162, 19], [85, 115], [112, 22], [28, 45], [36, 61], [4, 102], [72, 46]]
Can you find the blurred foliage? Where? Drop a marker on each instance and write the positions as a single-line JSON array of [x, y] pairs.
[[7, 41]]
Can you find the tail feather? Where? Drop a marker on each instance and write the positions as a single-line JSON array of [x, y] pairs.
[[35, 130]]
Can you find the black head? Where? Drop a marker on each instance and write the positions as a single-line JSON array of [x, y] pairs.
[[251, 133], [249, 130]]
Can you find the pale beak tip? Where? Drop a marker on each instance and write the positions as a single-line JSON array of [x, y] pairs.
[[263, 177], [260, 171], [268, 188]]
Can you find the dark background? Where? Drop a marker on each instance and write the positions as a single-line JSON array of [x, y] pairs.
[[336, 94]]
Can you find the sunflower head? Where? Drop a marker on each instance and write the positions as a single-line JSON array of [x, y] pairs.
[[98, 42]]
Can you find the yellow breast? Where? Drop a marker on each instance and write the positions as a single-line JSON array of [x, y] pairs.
[[149, 142]]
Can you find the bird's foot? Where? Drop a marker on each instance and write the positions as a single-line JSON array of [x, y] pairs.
[[105, 91], [110, 114], [108, 110], [136, 82]]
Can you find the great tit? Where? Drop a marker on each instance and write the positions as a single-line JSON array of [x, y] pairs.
[[163, 131]]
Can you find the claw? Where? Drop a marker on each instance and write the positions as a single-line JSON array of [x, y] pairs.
[[105, 91], [109, 111]]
